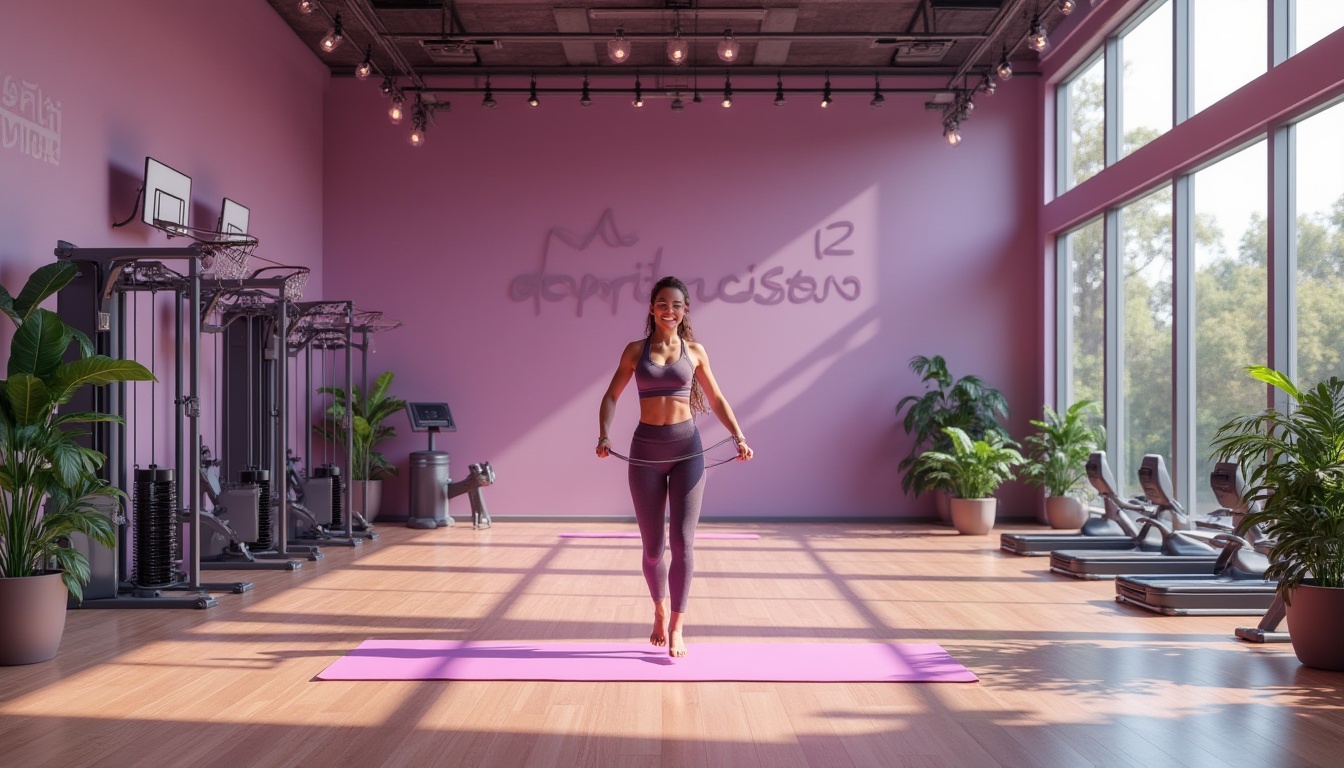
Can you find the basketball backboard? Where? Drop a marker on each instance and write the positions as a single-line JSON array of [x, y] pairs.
[[167, 198], [233, 218]]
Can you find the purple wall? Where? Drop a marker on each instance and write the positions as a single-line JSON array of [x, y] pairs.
[[450, 238], [160, 78]]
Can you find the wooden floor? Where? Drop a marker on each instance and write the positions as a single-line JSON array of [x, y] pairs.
[[1068, 677]]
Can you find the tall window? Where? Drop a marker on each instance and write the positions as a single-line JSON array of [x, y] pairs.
[[1145, 82], [1145, 231], [1320, 246], [1231, 285], [1230, 39], [1315, 20], [1086, 313], [1084, 103]]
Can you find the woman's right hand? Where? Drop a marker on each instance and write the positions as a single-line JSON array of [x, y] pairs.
[[603, 447]]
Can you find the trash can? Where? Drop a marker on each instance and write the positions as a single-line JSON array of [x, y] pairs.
[[429, 490]]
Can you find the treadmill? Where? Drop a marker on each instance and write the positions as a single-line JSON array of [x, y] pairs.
[[1178, 550], [1116, 528], [1236, 586]]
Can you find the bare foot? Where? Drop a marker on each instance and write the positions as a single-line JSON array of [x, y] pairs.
[[659, 635], [677, 647]]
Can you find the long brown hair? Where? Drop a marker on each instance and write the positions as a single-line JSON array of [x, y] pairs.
[[683, 330]]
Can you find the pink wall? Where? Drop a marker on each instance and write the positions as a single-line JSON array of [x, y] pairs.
[[224, 93], [943, 252]]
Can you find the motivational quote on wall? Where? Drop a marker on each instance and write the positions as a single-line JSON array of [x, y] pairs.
[[574, 285]]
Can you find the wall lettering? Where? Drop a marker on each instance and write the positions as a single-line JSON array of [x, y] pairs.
[[776, 285], [30, 121]]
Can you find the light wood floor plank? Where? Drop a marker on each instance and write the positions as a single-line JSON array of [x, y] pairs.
[[1068, 677]]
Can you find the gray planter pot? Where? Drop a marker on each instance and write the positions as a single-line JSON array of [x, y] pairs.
[[32, 618], [974, 517], [375, 498], [1316, 624], [1065, 512]]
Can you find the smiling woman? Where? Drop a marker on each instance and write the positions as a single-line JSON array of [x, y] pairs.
[[667, 464]]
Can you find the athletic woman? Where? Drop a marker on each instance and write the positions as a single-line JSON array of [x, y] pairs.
[[667, 470]]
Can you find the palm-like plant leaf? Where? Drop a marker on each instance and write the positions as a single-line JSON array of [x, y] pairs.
[[1297, 478], [359, 415], [42, 285], [95, 371]]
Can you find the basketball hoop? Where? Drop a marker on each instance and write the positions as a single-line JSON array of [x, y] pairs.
[[223, 254], [229, 258]]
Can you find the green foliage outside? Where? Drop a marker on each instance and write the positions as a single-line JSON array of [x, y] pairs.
[[1230, 306]]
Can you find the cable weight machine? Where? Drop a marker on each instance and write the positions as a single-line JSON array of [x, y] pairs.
[[249, 315], [329, 327], [164, 568]]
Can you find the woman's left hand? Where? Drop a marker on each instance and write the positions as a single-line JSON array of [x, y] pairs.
[[744, 452]]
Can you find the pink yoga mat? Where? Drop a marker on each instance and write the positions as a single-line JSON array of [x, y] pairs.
[[783, 662], [635, 535]]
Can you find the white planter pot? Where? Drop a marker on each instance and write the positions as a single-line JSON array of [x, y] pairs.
[[974, 517], [1065, 512]]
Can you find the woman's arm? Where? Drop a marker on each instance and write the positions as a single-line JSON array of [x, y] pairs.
[[607, 411], [718, 403]]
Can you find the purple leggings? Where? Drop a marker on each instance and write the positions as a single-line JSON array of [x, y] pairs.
[[673, 487]]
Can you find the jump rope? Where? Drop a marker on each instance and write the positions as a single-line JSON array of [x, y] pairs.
[[650, 463]]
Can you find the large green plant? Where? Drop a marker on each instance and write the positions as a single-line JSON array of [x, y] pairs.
[[1297, 478], [40, 459], [966, 403], [367, 414], [1058, 451], [971, 469]]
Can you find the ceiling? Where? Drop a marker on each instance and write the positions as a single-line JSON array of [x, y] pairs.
[[426, 41]]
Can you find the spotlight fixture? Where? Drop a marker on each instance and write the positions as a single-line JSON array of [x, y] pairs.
[[532, 99], [695, 95], [779, 91], [418, 123], [388, 86], [334, 37], [1066, 7], [952, 132], [1036, 39], [728, 47], [727, 92], [395, 112], [1005, 69], [586, 98], [677, 49], [618, 48], [987, 85], [878, 98], [365, 67], [639, 93], [826, 93], [677, 106], [307, 6], [489, 101]]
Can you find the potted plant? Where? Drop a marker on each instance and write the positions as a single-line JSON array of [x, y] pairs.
[[40, 461], [1057, 460], [966, 403], [367, 414], [973, 470], [1298, 480]]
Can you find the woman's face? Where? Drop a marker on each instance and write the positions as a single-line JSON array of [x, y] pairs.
[[668, 308]]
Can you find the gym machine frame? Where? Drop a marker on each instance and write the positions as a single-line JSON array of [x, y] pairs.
[[95, 302], [237, 299], [328, 325]]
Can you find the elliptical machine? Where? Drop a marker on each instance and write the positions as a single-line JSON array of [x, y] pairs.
[[431, 487]]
